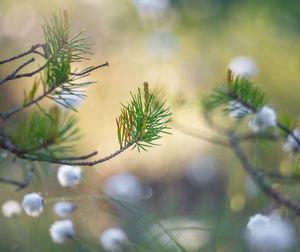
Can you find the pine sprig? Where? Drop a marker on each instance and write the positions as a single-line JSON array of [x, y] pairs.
[[61, 51], [46, 134], [142, 120], [240, 92]]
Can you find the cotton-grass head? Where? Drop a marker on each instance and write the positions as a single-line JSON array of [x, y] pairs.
[[270, 233], [69, 175], [243, 67], [61, 231], [11, 208], [127, 187], [265, 117], [32, 204], [63, 209], [113, 239]]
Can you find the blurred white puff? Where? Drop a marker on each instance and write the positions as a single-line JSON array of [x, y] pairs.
[[127, 187], [73, 100], [113, 239], [162, 45], [270, 233], [69, 175], [237, 109], [291, 144], [243, 66], [63, 209], [11, 208], [151, 8], [62, 230], [202, 170], [32, 204], [265, 117]]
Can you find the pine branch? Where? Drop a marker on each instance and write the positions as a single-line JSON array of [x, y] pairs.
[[34, 101], [33, 49], [259, 179], [67, 161], [90, 69]]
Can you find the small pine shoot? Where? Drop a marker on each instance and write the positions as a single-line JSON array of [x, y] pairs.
[[236, 92], [142, 120]]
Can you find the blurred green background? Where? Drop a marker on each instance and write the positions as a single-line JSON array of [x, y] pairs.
[[182, 48]]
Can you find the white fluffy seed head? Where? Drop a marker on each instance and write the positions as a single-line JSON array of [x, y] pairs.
[[32, 204], [127, 187], [262, 119], [237, 109], [202, 170], [243, 67], [266, 233], [113, 239], [69, 175], [151, 8], [11, 208], [62, 230], [291, 144], [63, 209]]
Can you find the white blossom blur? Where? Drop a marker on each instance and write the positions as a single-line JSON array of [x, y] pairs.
[[127, 187], [243, 67], [202, 170], [237, 109], [151, 8], [69, 175], [113, 239], [11, 208], [162, 45], [291, 144], [262, 119], [270, 233], [32, 204], [62, 230], [63, 209]]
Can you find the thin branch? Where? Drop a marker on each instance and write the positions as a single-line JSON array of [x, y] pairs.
[[31, 50], [83, 163], [183, 129], [14, 73], [259, 179], [20, 185], [18, 76], [90, 69], [80, 157], [278, 176], [17, 109], [252, 136]]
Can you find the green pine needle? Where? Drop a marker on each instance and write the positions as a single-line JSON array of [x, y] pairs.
[[239, 90], [143, 120]]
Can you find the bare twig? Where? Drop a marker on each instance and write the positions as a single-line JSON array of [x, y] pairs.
[[36, 100], [69, 162], [90, 69], [278, 176], [252, 136], [18, 76], [33, 49], [259, 179], [20, 185], [183, 129], [80, 157]]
